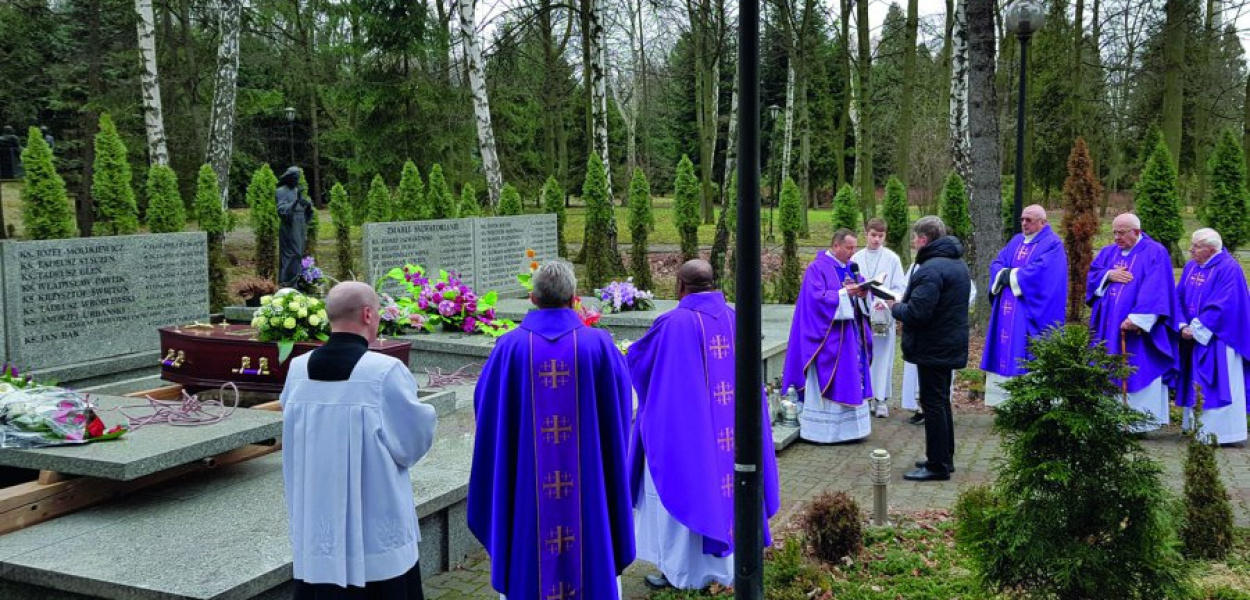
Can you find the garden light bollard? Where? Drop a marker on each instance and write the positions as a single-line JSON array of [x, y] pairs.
[[880, 486]]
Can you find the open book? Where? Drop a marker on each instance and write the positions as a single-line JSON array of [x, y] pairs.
[[876, 285]]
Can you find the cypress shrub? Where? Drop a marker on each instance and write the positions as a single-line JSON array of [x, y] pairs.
[[116, 212], [341, 215], [409, 198], [954, 209], [166, 211], [599, 224], [262, 214], [442, 204], [833, 525], [469, 206], [1208, 529], [1226, 209], [786, 290], [213, 221], [1009, 206], [47, 213], [896, 219], [313, 226], [378, 202], [686, 208], [1158, 199], [641, 219], [509, 201], [553, 203], [845, 208], [1081, 192]]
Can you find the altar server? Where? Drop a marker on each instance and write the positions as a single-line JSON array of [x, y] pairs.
[[878, 261]]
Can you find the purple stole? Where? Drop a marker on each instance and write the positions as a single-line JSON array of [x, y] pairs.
[[718, 360], [553, 382], [1009, 305]]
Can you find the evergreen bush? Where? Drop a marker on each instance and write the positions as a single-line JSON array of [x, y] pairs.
[[378, 202], [686, 208], [845, 208], [341, 215], [116, 212], [47, 213], [1226, 209], [1077, 510], [1081, 192], [438, 195], [469, 206], [213, 221], [599, 225], [553, 203], [1009, 207], [166, 211], [1158, 199], [786, 290], [313, 226], [897, 219], [954, 208], [833, 525], [641, 219], [509, 201], [262, 215], [1207, 532], [409, 197]]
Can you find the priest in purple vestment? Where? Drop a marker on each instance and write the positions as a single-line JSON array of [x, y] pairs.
[[681, 452], [1214, 324], [1029, 292], [549, 493], [1133, 298], [830, 348]]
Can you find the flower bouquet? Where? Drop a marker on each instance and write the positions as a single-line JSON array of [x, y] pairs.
[[621, 296], [289, 317], [39, 416], [392, 320], [445, 301], [311, 279], [527, 279]]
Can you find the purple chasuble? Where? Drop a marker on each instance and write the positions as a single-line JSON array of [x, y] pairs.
[[1043, 279], [1151, 292], [683, 370], [1215, 294], [841, 350], [548, 490]]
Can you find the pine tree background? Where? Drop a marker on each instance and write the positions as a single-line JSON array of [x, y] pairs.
[[553, 203], [166, 210], [897, 220], [845, 208], [213, 221], [686, 211], [341, 215], [599, 216], [46, 210], [116, 211], [1158, 200], [409, 201], [509, 201], [954, 208], [1081, 193], [1226, 208], [378, 202], [641, 220], [263, 216], [469, 206], [438, 195], [786, 288]]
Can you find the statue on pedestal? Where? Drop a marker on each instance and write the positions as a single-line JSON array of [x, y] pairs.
[[295, 211]]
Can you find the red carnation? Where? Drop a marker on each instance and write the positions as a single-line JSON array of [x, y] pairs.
[[95, 428]]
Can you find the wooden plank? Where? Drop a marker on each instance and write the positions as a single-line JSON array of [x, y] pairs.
[[51, 477], [275, 406], [168, 392]]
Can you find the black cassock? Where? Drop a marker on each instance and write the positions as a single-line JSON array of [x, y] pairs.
[[295, 211]]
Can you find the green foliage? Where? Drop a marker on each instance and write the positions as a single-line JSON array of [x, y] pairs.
[[791, 203], [1078, 509], [1009, 206], [834, 527], [262, 214], [341, 215], [553, 203], [641, 220], [1081, 193], [896, 219], [378, 202], [599, 224], [46, 210], [954, 208], [469, 206], [786, 287], [208, 212], [1226, 208], [313, 226], [845, 209], [1207, 532], [116, 212], [1158, 199], [410, 202], [686, 208], [166, 212], [509, 201], [442, 204]]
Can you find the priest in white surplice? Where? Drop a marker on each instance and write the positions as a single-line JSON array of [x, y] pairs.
[[352, 427], [874, 261]]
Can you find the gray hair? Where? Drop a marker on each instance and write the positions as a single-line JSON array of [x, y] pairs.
[[931, 228], [1129, 218], [554, 284], [1209, 238]]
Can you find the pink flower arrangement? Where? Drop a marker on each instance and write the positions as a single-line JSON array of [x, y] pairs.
[[447, 302]]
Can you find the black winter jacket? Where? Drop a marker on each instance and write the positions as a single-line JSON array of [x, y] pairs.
[[934, 311]]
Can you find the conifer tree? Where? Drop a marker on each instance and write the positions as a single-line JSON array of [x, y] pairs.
[[213, 221], [443, 204], [46, 210], [1009, 206], [409, 198], [378, 202], [313, 227], [509, 202], [1081, 192], [845, 208], [686, 208], [341, 215], [116, 212], [262, 214], [641, 219], [954, 209], [896, 219], [1226, 209], [599, 215], [469, 206], [553, 203], [1158, 199], [790, 221], [166, 211]]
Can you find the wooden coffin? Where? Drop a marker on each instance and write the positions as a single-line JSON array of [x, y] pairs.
[[204, 357]]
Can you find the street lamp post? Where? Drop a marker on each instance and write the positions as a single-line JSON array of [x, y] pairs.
[[1024, 18], [290, 135], [773, 111]]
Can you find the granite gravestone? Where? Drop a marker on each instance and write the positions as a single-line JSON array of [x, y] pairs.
[[76, 300], [441, 244], [500, 245]]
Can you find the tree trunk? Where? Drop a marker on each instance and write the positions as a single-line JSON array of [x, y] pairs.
[[985, 185], [863, 158], [90, 120], [844, 111], [788, 139], [720, 244], [805, 148], [481, 104], [150, 83], [221, 125], [599, 96], [959, 57], [1245, 124], [902, 157], [1173, 82]]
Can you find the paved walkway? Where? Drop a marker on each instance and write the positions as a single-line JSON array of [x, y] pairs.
[[808, 470]]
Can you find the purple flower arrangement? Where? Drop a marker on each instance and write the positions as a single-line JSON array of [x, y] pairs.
[[621, 296], [311, 279], [446, 301]]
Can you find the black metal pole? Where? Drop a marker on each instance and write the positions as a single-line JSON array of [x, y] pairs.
[[1024, 66], [290, 136], [749, 496]]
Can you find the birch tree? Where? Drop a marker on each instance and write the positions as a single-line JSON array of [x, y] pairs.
[[959, 91], [221, 125], [158, 154], [481, 104], [863, 158]]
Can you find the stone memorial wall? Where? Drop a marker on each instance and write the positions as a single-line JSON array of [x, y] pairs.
[[501, 243], [76, 300]]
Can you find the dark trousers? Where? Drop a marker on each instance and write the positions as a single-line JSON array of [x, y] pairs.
[[939, 424], [404, 587]]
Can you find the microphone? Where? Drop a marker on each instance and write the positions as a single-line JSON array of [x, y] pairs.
[[854, 269]]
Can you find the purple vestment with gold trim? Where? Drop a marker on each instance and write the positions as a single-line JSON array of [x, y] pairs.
[[841, 350]]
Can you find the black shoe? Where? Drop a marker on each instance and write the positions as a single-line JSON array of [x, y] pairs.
[[916, 419], [922, 464], [656, 581], [923, 474]]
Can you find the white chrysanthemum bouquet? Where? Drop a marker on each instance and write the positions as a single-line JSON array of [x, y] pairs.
[[289, 317]]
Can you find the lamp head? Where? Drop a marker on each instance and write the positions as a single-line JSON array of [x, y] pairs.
[[290, 114], [1025, 17], [773, 111]]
